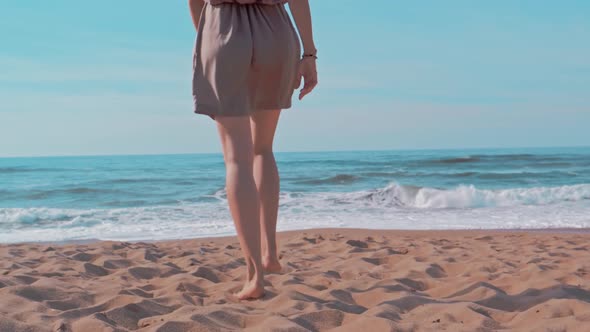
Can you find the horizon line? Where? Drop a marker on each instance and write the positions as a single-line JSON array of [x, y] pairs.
[[298, 151]]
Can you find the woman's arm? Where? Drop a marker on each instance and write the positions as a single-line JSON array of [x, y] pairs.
[[195, 7], [307, 68], [302, 16]]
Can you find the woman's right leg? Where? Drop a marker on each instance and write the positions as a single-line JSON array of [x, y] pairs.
[[266, 175], [242, 196]]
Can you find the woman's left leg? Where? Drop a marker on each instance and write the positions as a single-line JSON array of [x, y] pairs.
[[242, 196], [266, 175]]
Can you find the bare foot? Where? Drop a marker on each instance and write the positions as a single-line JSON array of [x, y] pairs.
[[271, 266], [251, 290]]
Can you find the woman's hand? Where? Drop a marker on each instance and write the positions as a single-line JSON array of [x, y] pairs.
[[302, 15], [307, 71]]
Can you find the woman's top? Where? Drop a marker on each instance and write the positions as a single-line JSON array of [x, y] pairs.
[[261, 2]]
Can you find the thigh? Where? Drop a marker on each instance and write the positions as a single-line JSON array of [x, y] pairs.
[[236, 139], [263, 127]]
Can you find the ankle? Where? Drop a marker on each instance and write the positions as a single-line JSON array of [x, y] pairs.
[[269, 252], [270, 258], [255, 268], [257, 278]]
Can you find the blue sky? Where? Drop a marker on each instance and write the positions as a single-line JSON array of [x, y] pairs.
[[113, 77]]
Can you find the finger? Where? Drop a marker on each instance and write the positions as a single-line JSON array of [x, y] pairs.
[[307, 88], [310, 81]]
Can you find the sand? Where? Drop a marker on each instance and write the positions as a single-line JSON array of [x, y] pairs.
[[332, 279]]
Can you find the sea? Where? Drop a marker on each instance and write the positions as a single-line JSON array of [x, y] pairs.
[[157, 197]]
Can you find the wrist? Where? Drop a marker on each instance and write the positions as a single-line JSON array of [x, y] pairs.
[[310, 49], [313, 53]]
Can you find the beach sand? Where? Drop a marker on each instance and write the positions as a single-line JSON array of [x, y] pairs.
[[332, 279]]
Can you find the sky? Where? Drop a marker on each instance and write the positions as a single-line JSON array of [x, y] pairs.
[[113, 77]]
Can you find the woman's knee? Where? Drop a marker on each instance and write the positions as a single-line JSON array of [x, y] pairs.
[[262, 150], [237, 157], [236, 139]]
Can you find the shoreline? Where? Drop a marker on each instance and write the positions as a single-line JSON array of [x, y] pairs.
[[447, 232]]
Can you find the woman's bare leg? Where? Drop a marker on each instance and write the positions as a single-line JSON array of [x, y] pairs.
[[242, 196], [266, 175]]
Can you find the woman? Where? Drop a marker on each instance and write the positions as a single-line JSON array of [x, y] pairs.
[[247, 64]]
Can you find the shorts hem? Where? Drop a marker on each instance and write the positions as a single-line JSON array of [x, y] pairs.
[[211, 112]]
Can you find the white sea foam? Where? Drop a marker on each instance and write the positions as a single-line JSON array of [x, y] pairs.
[[468, 196], [394, 207]]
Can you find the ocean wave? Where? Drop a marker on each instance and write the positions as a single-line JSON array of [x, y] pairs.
[[517, 156], [394, 174], [336, 179], [526, 157], [468, 196], [151, 180], [455, 160], [60, 217], [25, 169], [41, 215], [523, 175], [481, 175], [42, 194], [394, 206], [551, 160]]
